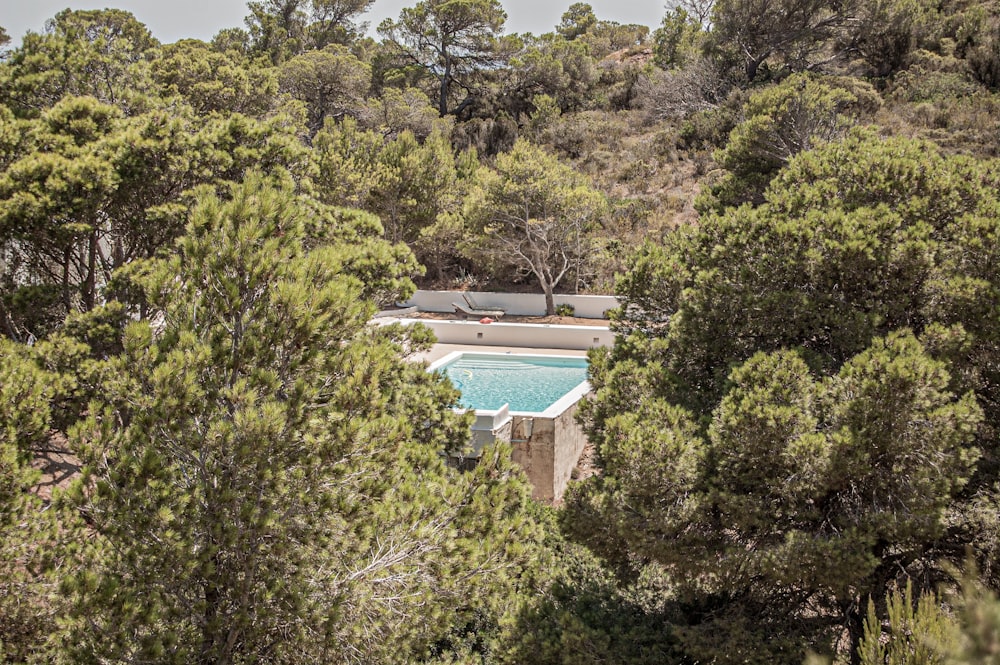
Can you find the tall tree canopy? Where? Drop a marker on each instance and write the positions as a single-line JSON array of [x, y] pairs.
[[408, 184], [98, 53], [793, 31], [216, 81], [451, 41], [90, 191], [576, 20], [793, 413], [331, 83], [282, 29], [264, 476], [538, 215]]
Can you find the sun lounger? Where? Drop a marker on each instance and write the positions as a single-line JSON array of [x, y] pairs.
[[478, 313], [475, 306]]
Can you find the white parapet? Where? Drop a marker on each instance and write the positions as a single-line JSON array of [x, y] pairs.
[[515, 304], [530, 335]]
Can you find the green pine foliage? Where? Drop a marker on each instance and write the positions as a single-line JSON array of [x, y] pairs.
[[916, 633], [800, 412], [800, 404], [979, 621], [266, 471], [25, 394], [40, 540], [584, 615], [929, 631]]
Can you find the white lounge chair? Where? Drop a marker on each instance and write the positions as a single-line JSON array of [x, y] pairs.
[[477, 312], [474, 305]]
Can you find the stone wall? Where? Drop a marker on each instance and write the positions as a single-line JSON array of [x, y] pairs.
[[548, 449]]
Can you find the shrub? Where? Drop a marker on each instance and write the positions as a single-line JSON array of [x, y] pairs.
[[565, 309]]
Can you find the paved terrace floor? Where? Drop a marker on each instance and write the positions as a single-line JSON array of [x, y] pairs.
[[439, 351]]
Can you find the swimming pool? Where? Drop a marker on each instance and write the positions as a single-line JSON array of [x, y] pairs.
[[526, 383], [527, 401]]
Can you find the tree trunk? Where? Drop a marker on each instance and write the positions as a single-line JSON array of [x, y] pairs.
[[90, 284], [445, 80], [855, 625], [753, 65], [6, 322], [550, 300], [67, 257], [212, 640]]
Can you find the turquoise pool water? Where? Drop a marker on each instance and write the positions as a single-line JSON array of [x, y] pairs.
[[525, 383]]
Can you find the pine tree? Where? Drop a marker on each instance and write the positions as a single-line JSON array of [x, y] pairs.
[[798, 412], [266, 472], [39, 539]]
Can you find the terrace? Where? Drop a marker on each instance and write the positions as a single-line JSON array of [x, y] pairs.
[[547, 443]]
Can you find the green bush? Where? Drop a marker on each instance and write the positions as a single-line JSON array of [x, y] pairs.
[[565, 309]]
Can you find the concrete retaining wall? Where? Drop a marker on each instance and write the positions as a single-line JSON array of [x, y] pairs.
[[548, 450], [540, 336], [516, 304]]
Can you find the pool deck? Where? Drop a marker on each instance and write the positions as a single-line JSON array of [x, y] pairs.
[[439, 351]]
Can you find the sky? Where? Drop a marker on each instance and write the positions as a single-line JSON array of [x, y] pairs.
[[170, 20]]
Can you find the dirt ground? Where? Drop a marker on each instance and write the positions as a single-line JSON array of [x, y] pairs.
[[58, 464]]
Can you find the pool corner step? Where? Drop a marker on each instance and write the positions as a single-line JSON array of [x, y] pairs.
[[490, 426]]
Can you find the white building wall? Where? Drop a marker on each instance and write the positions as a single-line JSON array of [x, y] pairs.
[[515, 304], [540, 336]]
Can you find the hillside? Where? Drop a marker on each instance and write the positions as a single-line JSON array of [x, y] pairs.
[[793, 442]]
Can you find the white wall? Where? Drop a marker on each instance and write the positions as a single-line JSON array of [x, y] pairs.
[[516, 304], [540, 336]]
